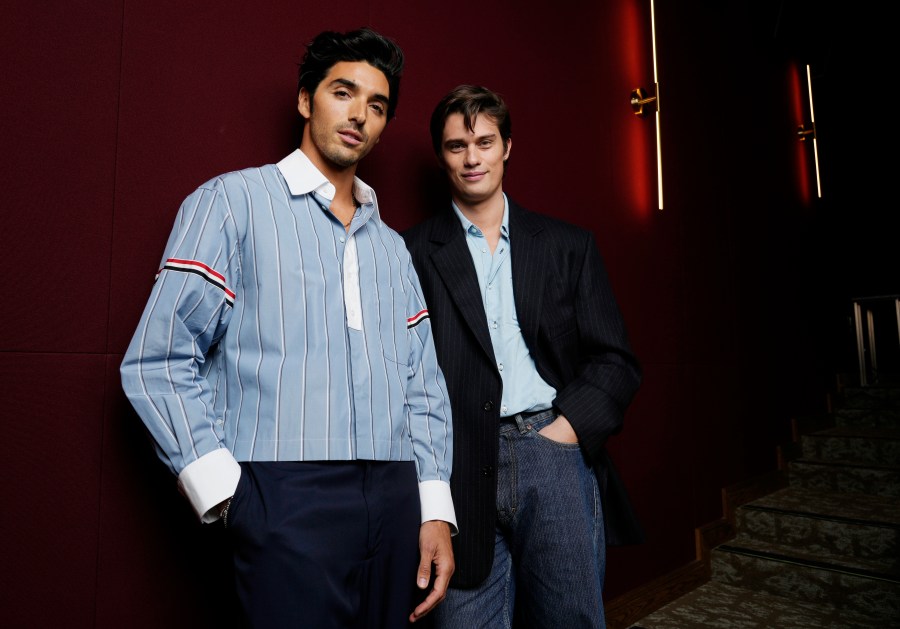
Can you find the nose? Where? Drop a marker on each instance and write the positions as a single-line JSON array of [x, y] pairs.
[[357, 111], [472, 157]]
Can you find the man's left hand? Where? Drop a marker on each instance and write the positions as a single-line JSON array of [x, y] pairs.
[[434, 548], [559, 430]]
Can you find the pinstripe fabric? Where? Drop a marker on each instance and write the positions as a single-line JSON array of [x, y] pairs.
[[244, 342], [574, 332]]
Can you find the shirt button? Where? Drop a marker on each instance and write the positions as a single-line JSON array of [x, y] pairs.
[[500, 366], [219, 422], [488, 405], [503, 409], [342, 239]]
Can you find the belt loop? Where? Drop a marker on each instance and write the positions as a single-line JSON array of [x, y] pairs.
[[520, 422]]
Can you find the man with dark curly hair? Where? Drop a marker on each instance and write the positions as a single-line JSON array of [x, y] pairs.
[[285, 368]]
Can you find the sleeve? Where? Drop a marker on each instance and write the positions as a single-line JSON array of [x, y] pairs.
[[608, 374], [162, 372], [428, 404]]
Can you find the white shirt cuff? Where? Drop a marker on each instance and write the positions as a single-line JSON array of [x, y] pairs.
[[437, 503], [208, 481]]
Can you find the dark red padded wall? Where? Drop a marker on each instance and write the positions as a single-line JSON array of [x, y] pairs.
[[59, 98], [58, 95], [52, 425]]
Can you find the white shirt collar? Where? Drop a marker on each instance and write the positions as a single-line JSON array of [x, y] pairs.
[[303, 177]]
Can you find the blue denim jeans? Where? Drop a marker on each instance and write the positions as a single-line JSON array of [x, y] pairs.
[[550, 551]]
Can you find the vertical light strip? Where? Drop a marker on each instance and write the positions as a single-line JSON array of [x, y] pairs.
[[812, 116], [656, 85]]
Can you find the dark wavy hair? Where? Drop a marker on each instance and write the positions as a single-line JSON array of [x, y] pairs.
[[470, 101], [363, 44]]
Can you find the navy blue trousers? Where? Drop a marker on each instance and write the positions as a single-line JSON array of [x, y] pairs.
[[326, 544]]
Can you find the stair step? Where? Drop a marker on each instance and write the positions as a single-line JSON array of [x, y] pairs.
[[870, 397], [875, 417], [851, 584], [823, 552], [880, 567], [856, 444], [716, 604], [828, 523], [878, 480]]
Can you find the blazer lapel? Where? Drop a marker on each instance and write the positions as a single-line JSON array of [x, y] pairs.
[[529, 261], [453, 262]]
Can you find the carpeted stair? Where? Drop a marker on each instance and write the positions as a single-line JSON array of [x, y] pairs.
[[823, 551]]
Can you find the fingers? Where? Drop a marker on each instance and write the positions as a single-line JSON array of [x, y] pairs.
[[437, 593], [435, 549], [424, 572], [559, 430], [427, 605]]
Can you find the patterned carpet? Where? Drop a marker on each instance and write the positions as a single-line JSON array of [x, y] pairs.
[[823, 552]]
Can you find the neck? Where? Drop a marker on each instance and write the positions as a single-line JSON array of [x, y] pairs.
[[486, 214], [340, 177]]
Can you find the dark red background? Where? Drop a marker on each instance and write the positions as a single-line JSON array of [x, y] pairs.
[[736, 296]]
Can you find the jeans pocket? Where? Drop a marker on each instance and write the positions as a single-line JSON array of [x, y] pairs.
[[564, 445]]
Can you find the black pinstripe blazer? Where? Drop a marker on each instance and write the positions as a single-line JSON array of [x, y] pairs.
[[574, 331]]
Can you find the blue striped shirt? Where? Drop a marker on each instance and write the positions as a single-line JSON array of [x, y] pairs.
[[272, 334]]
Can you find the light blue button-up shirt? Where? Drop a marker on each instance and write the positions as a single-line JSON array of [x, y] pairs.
[[272, 334], [523, 388]]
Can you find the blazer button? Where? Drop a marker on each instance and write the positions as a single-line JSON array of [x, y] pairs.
[[488, 405], [487, 470]]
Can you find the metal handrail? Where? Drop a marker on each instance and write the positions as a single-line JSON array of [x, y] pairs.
[[864, 320]]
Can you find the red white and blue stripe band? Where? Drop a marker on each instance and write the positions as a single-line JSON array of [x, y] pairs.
[[192, 266], [416, 319]]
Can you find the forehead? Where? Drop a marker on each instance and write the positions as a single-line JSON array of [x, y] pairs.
[[364, 75], [482, 124]]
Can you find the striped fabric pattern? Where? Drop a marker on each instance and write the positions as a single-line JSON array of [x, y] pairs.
[[244, 342]]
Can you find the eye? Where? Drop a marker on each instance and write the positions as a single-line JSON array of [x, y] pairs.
[[486, 143], [455, 147], [342, 93], [378, 108]]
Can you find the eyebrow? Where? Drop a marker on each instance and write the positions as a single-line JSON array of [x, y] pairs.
[[353, 85], [478, 138]]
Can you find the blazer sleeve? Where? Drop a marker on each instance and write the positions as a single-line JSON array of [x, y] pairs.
[[608, 373]]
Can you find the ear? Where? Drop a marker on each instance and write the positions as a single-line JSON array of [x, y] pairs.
[[508, 149], [303, 104]]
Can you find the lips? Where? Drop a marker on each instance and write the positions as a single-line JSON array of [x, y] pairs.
[[351, 136], [473, 176]]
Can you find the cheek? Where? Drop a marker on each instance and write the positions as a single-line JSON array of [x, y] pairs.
[[375, 130]]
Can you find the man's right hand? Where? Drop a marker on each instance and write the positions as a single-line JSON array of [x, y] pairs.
[[435, 550], [222, 507]]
